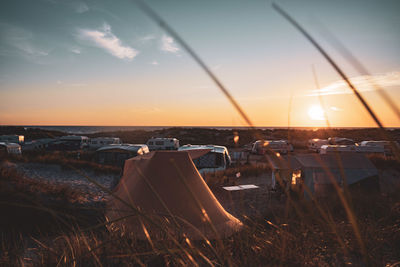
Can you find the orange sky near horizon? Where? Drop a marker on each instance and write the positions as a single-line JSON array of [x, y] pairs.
[[341, 110]]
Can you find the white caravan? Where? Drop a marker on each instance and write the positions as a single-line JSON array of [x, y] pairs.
[[328, 149], [10, 148], [78, 141], [387, 147], [17, 139], [159, 143], [261, 147], [315, 144], [98, 142], [217, 159]]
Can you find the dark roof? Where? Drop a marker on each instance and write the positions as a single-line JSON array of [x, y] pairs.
[[287, 162], [335, 161], [332, 161]]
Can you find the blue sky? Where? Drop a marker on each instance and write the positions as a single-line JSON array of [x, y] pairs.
[[107, 63]]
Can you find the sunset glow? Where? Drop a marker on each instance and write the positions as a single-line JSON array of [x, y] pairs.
[[315, 112], [111, 65]]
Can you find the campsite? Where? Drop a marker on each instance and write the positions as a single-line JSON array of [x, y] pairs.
[[248, 210], [199, 133]]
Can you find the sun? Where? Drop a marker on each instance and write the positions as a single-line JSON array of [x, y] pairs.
[[316, 113]]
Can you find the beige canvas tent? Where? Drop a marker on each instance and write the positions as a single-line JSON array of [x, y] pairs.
[[166, 187]]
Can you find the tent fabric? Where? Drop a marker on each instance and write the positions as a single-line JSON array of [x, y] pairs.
[[165, 183]]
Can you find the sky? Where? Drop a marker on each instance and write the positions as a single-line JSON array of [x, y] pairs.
[[107, 63]]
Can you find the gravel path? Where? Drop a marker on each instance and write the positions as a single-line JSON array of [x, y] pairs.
[[57, 174]]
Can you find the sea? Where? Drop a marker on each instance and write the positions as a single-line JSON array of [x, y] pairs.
[[97, 129]]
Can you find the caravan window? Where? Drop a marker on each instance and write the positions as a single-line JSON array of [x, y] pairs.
[[150, 143], [209, 160], [159, 143]]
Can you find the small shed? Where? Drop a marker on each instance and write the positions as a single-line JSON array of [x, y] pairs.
[[318, 174]]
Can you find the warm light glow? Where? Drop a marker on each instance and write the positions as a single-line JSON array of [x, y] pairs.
[[315, 112], [296, 175], [236, 137]]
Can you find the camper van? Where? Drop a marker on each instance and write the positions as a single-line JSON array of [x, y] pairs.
[[98, 142], [10, 148], [217, 159], [159, 143], [72, 142], [315, 144], [370, 149], [387, 147], [340, 141], [328, 149], [281, 146], [117, 154], [17, 139]]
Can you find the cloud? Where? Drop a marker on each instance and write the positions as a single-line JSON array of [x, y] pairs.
[[80, 7], [76, 50], [363, 83], [21, 41], [71, 84], [105, 39], [147, 38], [154, 63], [168, 44]]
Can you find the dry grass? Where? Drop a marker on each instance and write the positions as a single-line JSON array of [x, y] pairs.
[[51, 227]]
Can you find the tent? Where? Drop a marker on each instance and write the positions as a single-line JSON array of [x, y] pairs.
[[319, 172], [168, 189]]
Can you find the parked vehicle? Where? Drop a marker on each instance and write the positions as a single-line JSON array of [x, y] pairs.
[[10, 148], [70, 143], [328, 149], [340, 141], [217, 159], [117, 154], [98, 142], [386, 145], [38, 144], [16, 139], [315, 144], [370, 149], [159, 143], [261, 147]]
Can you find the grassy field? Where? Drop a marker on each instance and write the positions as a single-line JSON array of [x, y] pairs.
[[49, 224]]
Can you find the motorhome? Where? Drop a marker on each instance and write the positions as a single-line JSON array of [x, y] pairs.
[[69, 143], [17, 139], [98, 142], [370, 149], [10, 148], [261, 147], [340, 141], [38, 144], [117, 154], [329, 149], [386, 145], [159, 143], [315, 144], [217, 159]]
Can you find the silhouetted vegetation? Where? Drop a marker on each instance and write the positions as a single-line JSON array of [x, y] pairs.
[[48, 224]]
